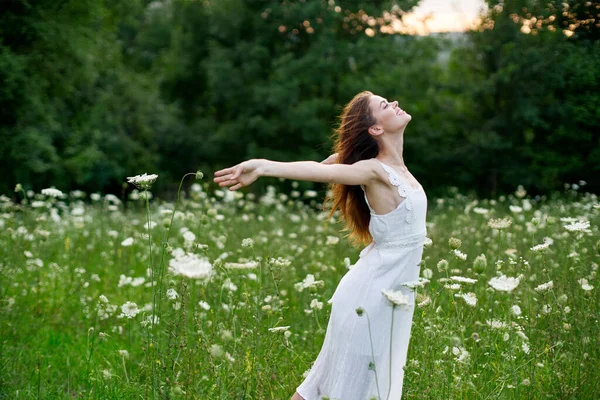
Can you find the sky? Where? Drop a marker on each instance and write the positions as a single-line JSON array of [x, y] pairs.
[[444, 16]]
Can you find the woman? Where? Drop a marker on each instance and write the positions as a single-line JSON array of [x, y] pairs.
[[366, 343]]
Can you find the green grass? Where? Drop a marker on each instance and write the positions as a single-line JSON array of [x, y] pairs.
[[58, 340]]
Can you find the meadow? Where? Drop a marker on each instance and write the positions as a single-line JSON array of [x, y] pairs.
[[223, 295]]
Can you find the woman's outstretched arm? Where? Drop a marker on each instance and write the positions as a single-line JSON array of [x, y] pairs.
[[331, 159], [361, 172]]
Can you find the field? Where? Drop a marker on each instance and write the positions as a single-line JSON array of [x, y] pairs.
[[224, 295]]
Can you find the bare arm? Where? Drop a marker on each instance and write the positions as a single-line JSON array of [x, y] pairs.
[[360, 173], [331, 159]]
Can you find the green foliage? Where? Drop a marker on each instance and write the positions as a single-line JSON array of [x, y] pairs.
[[93, 91]]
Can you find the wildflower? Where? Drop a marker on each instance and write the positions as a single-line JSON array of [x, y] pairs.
[[129, 310], [191, 266], [396, 298], [204, 305], [279, 329], [172, 294], [199, 175], [127, 242], [103, 298], [216, 351], [459, 254], [496, 324], [419, 282], [360, 311], [316, 304], [515, 209], [308, 282], [144, 181], [452, 286], [229, 285], [332, 240], [469, 298], [463, 279], [18, 188], [248, 242], [521, 192], [427, 273], [52, 192], [578, 226], [541, 247], [428, 242], [480, 210], [584, 284], [106, 374], [454, 243], [499, 223], [504, 283], [442, 265], [516, 310], [246, 265], [123, 353], [544, 286], [280, 262]]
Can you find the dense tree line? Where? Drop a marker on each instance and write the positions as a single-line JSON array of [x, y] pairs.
[[92, 91]]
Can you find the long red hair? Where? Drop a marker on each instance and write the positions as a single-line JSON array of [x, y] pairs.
[[352, 143]]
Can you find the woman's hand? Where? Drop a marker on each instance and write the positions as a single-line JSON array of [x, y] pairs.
[[242, 174]]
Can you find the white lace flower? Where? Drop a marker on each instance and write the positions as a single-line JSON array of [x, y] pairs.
[[143, 181], [463, 279], [498, 223], [396, 298], [504, 283], [469, 298], [579, 226], [544, 286], [129, 310], [191, 266], [52, 192]]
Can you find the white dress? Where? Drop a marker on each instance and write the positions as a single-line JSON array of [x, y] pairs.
[[342, 369]]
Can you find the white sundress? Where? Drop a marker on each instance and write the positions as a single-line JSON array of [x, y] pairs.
[[342, 370]]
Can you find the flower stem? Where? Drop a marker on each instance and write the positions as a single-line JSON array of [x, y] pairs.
[[391, 337], [373, 355]]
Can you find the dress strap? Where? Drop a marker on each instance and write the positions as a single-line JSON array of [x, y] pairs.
[[403, 187]]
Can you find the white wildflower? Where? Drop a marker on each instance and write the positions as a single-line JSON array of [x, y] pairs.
[[463, 279], [469, 298], [544, 286], [279, 329], [248, 242], [396, 298], [584, 284], [129, 310], [459, 254], [419, 282], [540, 247], [332, 240], [144, 181], [52, 192], [308, 282], [579, 226], [172, 294], [500, 223], [191, 266], [204, 305], [127, 242], [504, 283], [316, 304]]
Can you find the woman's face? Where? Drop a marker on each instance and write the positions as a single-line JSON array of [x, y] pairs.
[[390, 117]]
